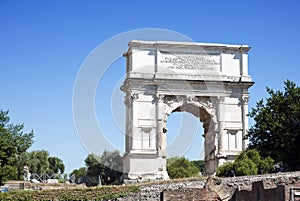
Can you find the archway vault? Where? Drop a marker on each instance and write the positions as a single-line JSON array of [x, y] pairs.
[[166, 77], [204, 108]]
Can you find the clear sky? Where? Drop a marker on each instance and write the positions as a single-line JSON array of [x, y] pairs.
[[44, 43]]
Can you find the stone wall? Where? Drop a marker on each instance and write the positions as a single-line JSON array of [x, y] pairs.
[[246, 188], [195, 194], [266, 187], [153, 191], [226, 187], [259, 192]]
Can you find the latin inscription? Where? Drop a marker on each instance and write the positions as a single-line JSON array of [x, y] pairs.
[[191, 62]]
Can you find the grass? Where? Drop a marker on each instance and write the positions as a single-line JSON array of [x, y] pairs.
[[79, 194], [84, 194]]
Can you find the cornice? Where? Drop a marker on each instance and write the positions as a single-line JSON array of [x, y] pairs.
[[171, 45]]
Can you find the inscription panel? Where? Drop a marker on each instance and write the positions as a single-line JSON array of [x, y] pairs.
[[190, 63]]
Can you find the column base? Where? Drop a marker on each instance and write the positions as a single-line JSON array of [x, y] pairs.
[[144, 167]]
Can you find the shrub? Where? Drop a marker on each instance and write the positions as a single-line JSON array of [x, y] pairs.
[[245, 167], [224, 170], [249, 162], [182, 168]]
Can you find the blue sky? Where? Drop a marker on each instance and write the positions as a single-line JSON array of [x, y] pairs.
[[44, 43]]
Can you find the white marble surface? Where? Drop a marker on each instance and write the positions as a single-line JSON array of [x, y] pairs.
[[209, 80]]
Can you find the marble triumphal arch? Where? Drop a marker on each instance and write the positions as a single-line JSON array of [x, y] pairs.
[[208, 80]]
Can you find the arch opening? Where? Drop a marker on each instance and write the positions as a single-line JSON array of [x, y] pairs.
[[198, 112], [185, 141], [184, 137]]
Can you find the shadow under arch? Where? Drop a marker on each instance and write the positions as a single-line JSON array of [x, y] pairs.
[[202, 108]]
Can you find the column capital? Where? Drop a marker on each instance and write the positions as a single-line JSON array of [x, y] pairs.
[[232, 131], [245, 99], [221, 99], [129, 98], [134, 96], [160, 96]]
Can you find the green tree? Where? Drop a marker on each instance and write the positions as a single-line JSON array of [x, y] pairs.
[[262, 165], [200, 164], [38, 161], [276, 131], [113, 166], [245, 167], [182, 168], [93, 164], [79, 173], [224, 170], [248, 162], [172, 160], [108, 166], [20, 161], [13, 142], [56, 165]]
